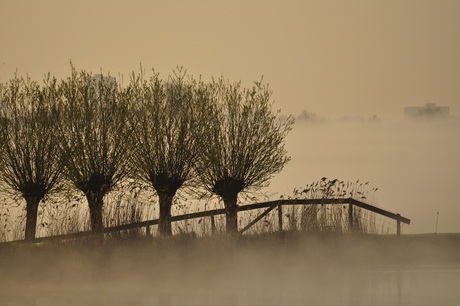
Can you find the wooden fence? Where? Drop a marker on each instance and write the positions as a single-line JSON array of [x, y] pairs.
[[269, 206]]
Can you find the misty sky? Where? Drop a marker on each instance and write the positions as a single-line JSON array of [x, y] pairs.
[[332, 58]]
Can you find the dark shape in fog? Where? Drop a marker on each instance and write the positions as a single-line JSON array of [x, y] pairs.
[[430, 110]]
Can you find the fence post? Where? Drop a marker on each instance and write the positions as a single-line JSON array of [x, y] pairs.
[[147, 230], [351, 222], [280, 218], [213, 225], [398, 225]]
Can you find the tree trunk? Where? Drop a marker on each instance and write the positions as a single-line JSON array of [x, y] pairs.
[[31, 217], [95, 203], [164, 223], [231, 214]]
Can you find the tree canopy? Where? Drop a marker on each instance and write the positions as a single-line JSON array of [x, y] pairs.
[[92, 133], [243, 146], [95, 133], [30, 160], [168, 116]]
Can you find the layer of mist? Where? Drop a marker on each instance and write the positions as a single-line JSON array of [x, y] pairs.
[[322, 269]]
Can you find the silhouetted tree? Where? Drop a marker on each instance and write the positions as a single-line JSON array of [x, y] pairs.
[[93, 122], [30, 161], [167, 118], [243, 145]]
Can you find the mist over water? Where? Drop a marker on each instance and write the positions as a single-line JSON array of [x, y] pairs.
[[414, 163], [303, 270]]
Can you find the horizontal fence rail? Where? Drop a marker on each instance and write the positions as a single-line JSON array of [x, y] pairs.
[[270, 205]]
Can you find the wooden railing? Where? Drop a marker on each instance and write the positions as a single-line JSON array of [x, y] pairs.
[[270, 205]]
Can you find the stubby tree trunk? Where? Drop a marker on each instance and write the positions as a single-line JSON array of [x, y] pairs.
[[164, 223], [231, 214], [95, 203], [31, 217]]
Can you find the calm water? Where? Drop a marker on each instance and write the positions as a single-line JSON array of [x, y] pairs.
[[402, 285]]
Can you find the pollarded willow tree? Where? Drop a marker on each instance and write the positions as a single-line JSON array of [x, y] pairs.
[[243, 144], [30, 160], [167, 116], [95, 130]]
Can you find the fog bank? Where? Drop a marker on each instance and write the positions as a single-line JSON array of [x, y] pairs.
[[414, 163], [325, 269]]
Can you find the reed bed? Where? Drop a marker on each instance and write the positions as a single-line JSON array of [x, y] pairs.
[[131, 203]]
